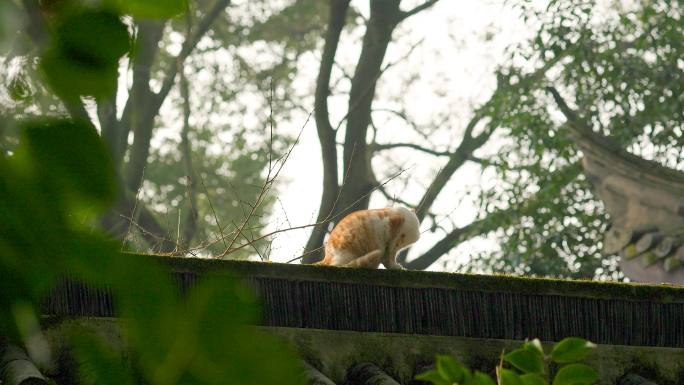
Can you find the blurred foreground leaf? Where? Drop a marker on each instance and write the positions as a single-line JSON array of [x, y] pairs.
[[203, 337], [152, 9], [84, 54], [73, 158]]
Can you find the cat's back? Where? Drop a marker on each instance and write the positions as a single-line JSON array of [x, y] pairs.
[[359, 233]]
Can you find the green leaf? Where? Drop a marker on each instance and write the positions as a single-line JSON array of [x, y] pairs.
[[217, 303], [98, 362], [576, 374], [73, 157], [534, 346], [480, 378], [571, 349], [93, 37], [528, 361], [507, 377], [532, 379], [69, 79], [450, 369], [84, 54], [432, 376], [152, 9]]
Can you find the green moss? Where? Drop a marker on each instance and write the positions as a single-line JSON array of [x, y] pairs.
[[421, 279]]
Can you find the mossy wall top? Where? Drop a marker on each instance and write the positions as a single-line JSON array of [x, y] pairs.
[[478, 306]]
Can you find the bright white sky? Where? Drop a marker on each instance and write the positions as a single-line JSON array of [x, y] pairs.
[[462, 44]]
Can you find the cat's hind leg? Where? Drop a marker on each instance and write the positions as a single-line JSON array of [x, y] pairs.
[[394, 265], [368, 261], [389, 260]]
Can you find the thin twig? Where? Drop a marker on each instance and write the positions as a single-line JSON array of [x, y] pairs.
[[175, 249], [282, 206], [305, 254], [232, 250], [427, 192], [265, 189], [371, 84], [143, 230], [391, 198], [219, 239], [251, 242], [270, 120], [388, 146], [211, 206], [418, 8], [135, 206]]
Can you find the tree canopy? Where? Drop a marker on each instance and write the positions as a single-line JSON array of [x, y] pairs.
[[193, 122], [154, 126]]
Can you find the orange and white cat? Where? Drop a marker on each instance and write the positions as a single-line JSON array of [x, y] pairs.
[[368, 238]]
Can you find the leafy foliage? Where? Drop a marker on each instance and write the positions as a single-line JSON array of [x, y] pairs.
[[531, 364], [243, 65], [449, 372], [619, 64], [571, 349], [53, 183]]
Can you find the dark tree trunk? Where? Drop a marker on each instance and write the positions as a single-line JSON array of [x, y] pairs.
[[326, 133], [358, 180], [142, 113]]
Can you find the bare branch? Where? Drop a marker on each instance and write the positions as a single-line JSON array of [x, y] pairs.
[[306, 253], [151, 238], [132, 214], [374, 147], [470, 143], [143, 106], [403, 116], [443, 246], [403, 57], [328, 218], [331, 217], [188, 46], [494, 220], [419, 8], [393, 198], [150, 229], [570, 115], [265, 188]]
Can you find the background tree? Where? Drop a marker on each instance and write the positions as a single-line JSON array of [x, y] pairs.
[[53, 183], [174, 122], [620, 62], [621, 68]]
